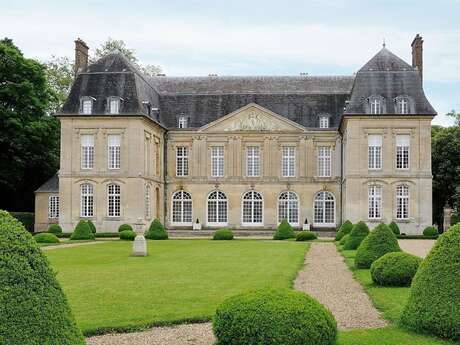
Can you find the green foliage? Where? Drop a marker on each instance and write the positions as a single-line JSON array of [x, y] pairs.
[[55, 229], [344, 229], [455, 219], [380, 241], [395, 269], [127, 235], [82, 231], [124, 227], [33, 308], [60, 76], [433, 305], [92, 226], [344, 239], [223, 234], [156, 231], [274, 317], [26, 218], [357, 235], [430, 231], [45, 237], [456, 116], [306, 236], [395, 228], [284, 231]]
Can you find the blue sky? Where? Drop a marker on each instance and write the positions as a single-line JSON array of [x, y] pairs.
[[198, 37]]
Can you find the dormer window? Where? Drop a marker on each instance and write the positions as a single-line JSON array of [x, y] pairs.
[[113, 105], [324, 121], [376, 105], [182, 121], [86, 105], [402, 105]]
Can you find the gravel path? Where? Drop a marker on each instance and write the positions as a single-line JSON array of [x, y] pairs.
[[69, 245], [327, 278], [417, 247]]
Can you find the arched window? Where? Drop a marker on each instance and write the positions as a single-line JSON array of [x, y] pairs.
[[86, 200], [324, 209], [402, 201], [376, 105], [217, 208], [252, 208], [181, 208], [288, 207], [113, 200], [148, 205]]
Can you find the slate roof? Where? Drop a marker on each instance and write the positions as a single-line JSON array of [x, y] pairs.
[[50, 186]]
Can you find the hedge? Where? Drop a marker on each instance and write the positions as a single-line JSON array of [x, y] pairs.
[[344, 229], [55, 229], [357, 235], [127, 235], [306, 236], [223, 234], [430, 231], [33, 308], [26, 218], [274, 317], [92, 227], [395, 269], [124, 227], [156, 231], [395, 228], [284, 231], [344, 239], [82, 231], [45, 237]]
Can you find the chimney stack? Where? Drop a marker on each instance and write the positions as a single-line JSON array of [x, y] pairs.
[[81, 56], [417, 54]]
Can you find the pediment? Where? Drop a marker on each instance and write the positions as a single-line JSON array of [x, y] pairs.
[[252, 117]]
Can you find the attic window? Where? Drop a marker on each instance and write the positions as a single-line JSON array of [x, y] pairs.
[[402, 105], [376, 105], [113, 104], [324, 121], [86, 105], [182, 121]]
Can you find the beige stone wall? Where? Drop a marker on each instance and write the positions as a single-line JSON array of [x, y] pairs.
[[42, 221]]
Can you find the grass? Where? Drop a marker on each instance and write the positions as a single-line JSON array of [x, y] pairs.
[[181, 280]]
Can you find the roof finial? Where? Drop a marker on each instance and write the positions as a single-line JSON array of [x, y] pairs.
[[384, 44]]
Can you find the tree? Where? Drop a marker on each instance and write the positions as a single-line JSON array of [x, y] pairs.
[[60, 76], [29, 141], [455, 116]]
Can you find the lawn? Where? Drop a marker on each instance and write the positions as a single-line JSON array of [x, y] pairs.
[[181, 279]]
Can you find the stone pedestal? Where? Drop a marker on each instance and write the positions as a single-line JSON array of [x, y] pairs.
[[447, 217], [306, 227], [140, 246], [196, 226]]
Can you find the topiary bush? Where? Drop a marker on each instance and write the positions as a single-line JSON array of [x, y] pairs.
[[395, 228], [274, 317], [284, 231], [26, 218], [223, 234], [127, 235], [124, 227], [433, 305], [380, 241], [344, 229], [357, 235], [430, 231], [82, 232], [306, 236], [92, 227], [344, 239], [395, 269], [45, 237], [33, 308], [55, 229], [156, 231]]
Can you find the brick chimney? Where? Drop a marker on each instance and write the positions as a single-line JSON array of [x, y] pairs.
[[81, 56], [417, 54]]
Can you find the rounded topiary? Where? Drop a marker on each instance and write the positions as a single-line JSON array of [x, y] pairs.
[[92, 226], [33, 308], [430, 231], [127, 235], [306, 236], [434, 304], [55, 229], [156, 231], [395, 269], [344, 229], [46, 237], [344, 239], [82, 232], [274, 317], [380, 241], [284, 231], [223, 234], [357, 235], [124, 227], [395, 228]]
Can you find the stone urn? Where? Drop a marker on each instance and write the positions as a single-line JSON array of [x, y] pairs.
[[306, 225], [140, 244]]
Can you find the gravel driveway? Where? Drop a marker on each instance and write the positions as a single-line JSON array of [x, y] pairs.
[[417, 247]]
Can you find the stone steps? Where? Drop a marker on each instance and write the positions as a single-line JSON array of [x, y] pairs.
[[238, 233]]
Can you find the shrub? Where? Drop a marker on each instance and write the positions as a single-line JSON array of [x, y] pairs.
[[33, 308], [156, 231], [55, 229], [433, 304], [395, 269], [344, 229], [344, 239], [46, 237], [127, 235], [274, 317], [357, 235], [306, 236], [430, 231], [380, 241], [124, 227], [82, 232], [455, 219], [26, 218], [395, 228], [284, 231], [223, 234], [92, 227]]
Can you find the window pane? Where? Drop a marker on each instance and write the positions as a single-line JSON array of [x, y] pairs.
[[113, 150]]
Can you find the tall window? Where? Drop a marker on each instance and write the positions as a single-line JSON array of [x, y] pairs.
[[402, 202], [113, 151], [402, 105], [375, 105], [53, 207], [181, 208], [148, 204], [87, 151], [182, 161], [86, 105], [402, 151], [324, 209], [252, 208], [324, 161], [253, 161], [324, 122], [113, 105], [374, 152], [288, 208], [182, 121], [217, 161], [217, 208], [375, 202], [86, 200], [288, 161], [113, 200]]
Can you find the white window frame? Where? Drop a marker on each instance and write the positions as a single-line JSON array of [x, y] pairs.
[[113, 105], [402, 152], [251, 203], [324, 121], [113, 200], [375, 152], [86, 105], [376, 105], [402, 105], [321, 204], [375, 202], [182, 165], [114, 151], [288, 161], [147, 202], [182, 121], [253, 161], [86, 200], [217, 161], [218, 200], [402, 202], [181, 201], [53, 207], [87, 151], [324, 166], [291, 204]]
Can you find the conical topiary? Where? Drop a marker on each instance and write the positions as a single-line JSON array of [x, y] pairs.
[[92, 227], [284, 231], [344, 239], [434, 304], [156, 231], [380, 241], [357, 235], [344, 229], [395, 228], [82, 232], [33, 308]]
